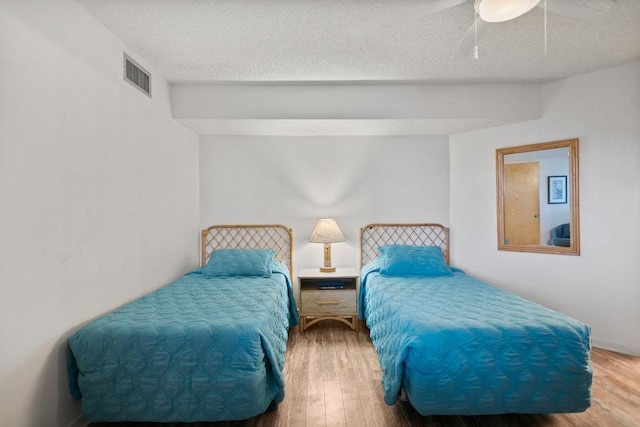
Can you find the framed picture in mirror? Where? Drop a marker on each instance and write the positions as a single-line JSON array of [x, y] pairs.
[[557, 189]]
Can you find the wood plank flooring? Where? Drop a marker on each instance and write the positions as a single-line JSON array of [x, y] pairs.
[[333, 379]]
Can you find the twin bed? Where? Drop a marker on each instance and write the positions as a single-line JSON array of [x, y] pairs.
[[210, 346], [207, 347], [454, 345]]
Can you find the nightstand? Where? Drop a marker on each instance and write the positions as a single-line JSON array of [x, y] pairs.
[[325, 296]]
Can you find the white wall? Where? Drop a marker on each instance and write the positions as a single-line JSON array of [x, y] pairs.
[[601, 286], [297, 180], [99, 196]]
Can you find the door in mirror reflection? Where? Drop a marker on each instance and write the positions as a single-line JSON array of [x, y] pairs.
[[522, 203]]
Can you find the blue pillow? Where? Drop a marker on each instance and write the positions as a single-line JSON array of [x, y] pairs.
[[239, 262], [402, 260]]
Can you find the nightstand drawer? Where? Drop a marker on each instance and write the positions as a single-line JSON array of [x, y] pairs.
[[334, 302]]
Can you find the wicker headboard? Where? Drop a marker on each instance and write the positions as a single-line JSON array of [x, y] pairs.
[[373, 236], [276, 237]]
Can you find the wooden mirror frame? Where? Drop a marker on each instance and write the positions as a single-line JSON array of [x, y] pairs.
[[574, 197]]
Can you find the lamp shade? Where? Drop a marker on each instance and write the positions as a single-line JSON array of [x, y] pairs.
[[503, 10], [326, 231]]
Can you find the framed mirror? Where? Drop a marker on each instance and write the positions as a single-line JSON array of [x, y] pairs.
[[537, 189]]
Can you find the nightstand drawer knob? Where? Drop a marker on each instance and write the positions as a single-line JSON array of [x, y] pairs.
[[329, 302]]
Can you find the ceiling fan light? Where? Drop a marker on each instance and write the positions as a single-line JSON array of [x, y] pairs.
[[503, 10]]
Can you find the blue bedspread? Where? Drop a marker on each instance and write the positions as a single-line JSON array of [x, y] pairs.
[[461, 347], [199, 349]]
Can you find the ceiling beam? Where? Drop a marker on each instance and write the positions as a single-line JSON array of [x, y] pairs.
[[507, 102]]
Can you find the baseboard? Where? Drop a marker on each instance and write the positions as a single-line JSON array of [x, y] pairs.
[[618, 348], [81, 421]]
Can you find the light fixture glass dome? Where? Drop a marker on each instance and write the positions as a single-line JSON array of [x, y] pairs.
[[503, 10]]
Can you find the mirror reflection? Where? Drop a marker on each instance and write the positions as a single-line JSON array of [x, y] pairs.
[[537, 197]]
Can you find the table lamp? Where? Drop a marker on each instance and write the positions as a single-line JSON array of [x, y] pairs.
[[327, 232]]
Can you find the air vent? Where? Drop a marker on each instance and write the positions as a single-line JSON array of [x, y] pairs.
[[136, 75]]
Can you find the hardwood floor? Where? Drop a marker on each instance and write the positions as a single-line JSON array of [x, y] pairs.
[[333, 379]]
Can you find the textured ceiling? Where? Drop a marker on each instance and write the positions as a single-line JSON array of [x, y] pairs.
[[386, 41], [356, 40]]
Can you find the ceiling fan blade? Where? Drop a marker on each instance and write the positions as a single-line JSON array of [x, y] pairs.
[[424, 8], [468, 41], [435, 6], [580, 9], [413, 12], [400, 16]]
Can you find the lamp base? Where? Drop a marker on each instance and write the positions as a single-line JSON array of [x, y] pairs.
[[327, 269]]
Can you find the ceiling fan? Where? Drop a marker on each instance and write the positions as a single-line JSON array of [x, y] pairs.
[[490, 11]]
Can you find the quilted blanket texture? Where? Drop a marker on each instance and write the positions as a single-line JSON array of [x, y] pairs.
[[199, 349], [461, 347]]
